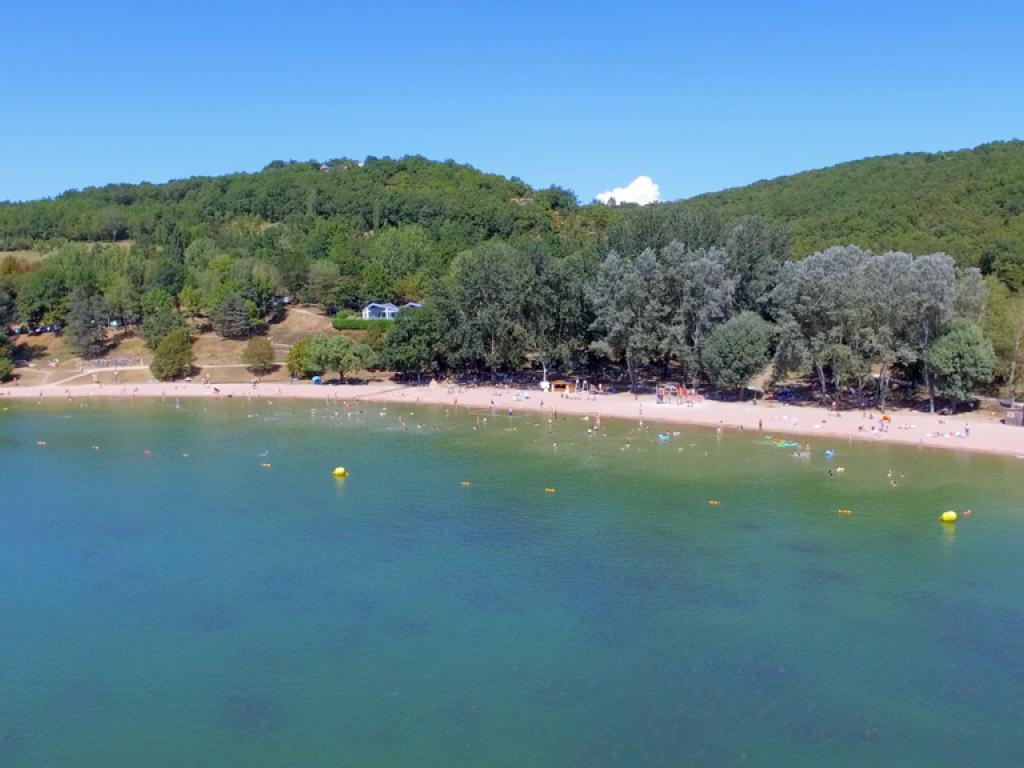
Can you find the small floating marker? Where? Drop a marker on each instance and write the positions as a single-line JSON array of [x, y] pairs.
[[845, 512], [466, 483], [41, 443], [266, 466], [340, 472], [147, 452], [949, 516], [95, 447], [549, 490], [714, 502], [966, 513]]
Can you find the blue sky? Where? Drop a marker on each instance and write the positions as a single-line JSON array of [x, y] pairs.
[[699, 96]]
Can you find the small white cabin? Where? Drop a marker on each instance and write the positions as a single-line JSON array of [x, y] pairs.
[[380, 311]]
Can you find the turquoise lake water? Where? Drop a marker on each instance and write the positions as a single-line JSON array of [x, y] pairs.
[[200, 610]]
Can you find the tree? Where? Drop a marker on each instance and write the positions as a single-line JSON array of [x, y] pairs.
[[44, 294], [230, 317], [258, 355], [491, 308], [6, 364], [174, 356], [122, 298], [931, 306], [169, 275], [157, 324], [338, 353], [299, 360], [1004, 326], [756, 251], [191, 300], [416, 342], [85, 324], [736, 350], [821, 295], [962, 359], [324, 284], [628, 315], [698, 294], [7, 305]]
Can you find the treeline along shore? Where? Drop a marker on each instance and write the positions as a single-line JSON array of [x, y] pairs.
[[505, 279]]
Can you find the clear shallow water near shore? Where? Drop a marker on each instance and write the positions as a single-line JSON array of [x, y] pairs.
[[165, 611]]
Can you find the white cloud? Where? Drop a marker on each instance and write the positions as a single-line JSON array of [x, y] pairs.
[[641, 190]]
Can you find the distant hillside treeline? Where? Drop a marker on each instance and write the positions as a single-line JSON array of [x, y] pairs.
[[969, 204], [455, 203]]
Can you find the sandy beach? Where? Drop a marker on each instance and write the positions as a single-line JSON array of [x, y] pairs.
[[978, 432]]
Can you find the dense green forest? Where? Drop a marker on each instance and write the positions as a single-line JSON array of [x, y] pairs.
[[969, 204], [709, 291]]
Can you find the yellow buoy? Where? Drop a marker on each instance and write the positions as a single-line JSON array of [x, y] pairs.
[[465, 483], [714, 502], [846, 512], [949, 516], [340, 472], [266, 466], [549, 490]]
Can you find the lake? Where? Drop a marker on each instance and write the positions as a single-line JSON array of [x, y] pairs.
[[166, 600]]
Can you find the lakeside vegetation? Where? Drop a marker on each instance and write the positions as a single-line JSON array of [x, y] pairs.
[[707, 291]]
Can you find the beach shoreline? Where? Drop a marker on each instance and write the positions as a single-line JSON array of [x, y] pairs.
[[904, 427]]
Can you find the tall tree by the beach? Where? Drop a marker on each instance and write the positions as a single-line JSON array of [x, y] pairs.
[[931, 304], [338, 353], [697, 295], [961, 359], [564, 313], [416, 343], [628, 315], [491, 308], [816, 295], [159, 317], [174, 357], [1004, 326], [85, 323], [736, 351], [7, 314], [231, 317]]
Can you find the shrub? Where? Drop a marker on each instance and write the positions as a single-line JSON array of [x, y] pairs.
[[299, 359], [358, 324], [259, 355], [174, 356]]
